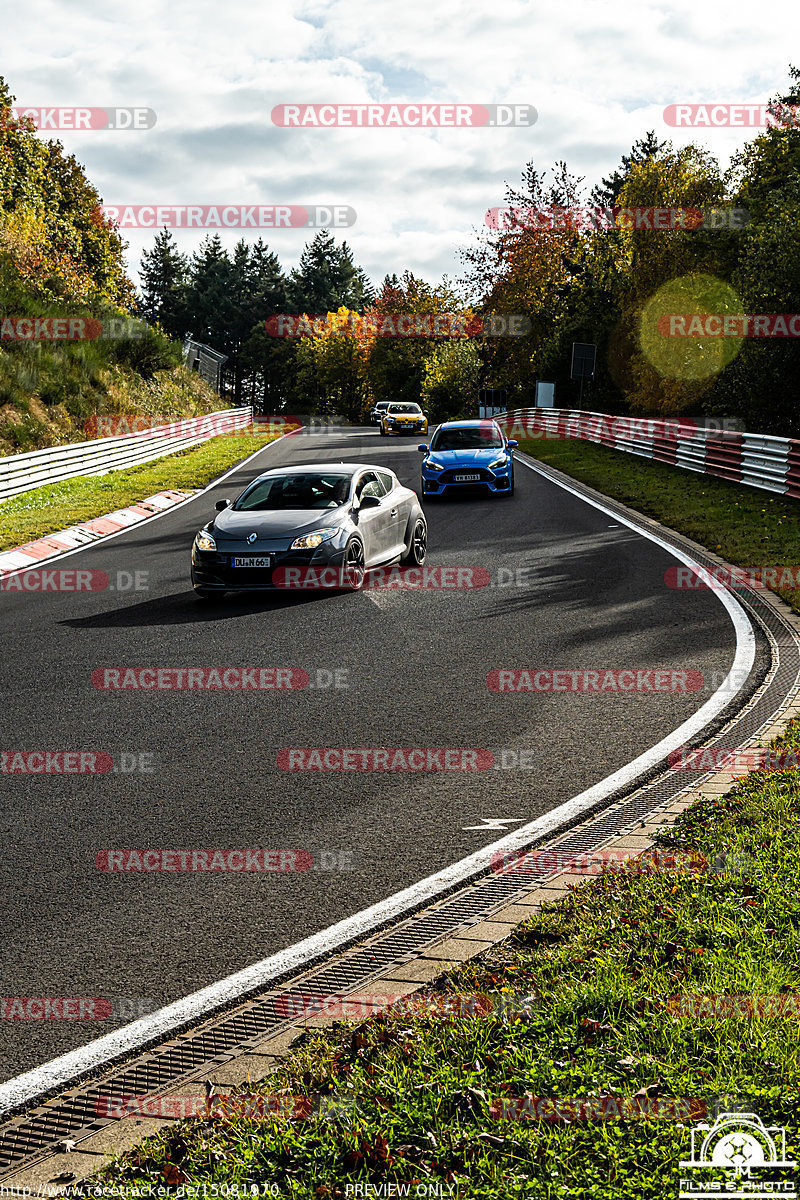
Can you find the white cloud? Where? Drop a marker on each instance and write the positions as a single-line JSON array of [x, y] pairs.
[[600, 76]]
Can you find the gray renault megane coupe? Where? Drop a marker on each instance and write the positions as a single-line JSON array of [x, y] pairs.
[[320, 525]]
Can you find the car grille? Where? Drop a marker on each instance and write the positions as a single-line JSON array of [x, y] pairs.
[[218, 565]]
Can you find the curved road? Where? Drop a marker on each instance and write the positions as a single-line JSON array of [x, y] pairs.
[[591, 594]]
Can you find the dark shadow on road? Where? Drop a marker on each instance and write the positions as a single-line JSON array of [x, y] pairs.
[[184, 608]]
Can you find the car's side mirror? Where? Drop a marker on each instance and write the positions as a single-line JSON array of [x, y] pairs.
[[424, 412], [422, 448], [222, 504], [512, 443], [370, 502]]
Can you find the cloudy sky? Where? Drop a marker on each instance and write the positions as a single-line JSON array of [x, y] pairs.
[[599, 76]]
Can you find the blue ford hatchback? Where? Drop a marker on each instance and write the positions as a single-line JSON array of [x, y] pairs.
[[468, 454]]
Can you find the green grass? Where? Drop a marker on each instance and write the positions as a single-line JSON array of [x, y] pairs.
[[745, 526], [602, 964], [45, 510]]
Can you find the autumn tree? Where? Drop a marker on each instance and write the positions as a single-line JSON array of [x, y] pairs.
[[450, 379], [330, 376], [52, 230]]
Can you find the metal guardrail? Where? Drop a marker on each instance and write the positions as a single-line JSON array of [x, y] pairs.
[[757, 460], [23, 472]]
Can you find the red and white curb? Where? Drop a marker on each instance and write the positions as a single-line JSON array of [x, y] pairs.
[[55, 544]]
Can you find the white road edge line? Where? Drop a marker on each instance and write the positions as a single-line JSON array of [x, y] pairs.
[[96, 1054]]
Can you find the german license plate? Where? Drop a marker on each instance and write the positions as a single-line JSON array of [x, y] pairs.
[[466, 478], [251, 560]]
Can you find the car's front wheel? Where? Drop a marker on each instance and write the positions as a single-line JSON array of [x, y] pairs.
[[417, 546], [353, 565]]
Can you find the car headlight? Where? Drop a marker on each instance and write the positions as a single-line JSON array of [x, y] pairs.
[[498, 463], [433, 466], [204, 541], [310, 541]]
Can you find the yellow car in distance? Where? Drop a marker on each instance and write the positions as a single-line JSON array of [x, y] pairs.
[[403, 418]]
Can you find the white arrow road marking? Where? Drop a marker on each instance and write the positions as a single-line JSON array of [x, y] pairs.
[[494, 823]]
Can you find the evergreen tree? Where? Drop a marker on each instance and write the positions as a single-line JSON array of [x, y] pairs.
[[209, 295], [268, 284], [605, 195], [267, 361], [328, 279], [164, 274]]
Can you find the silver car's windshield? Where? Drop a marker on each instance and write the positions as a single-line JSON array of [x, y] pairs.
[[306, 490]]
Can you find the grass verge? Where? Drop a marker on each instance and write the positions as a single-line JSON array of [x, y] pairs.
[[45, 510], [601, 967], [747, 527]]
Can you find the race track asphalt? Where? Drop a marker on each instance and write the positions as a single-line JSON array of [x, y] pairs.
[[415, 664]]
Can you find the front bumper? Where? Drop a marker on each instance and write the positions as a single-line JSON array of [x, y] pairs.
[[437, 483], [416, 427], [212, 570]]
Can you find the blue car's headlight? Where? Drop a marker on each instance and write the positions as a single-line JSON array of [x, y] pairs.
[[310, 541], [433, 466], [498, 463]]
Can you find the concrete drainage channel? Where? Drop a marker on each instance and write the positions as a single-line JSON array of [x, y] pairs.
[[410, 951]]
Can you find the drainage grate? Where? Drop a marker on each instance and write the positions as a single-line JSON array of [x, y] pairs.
[[198, 1051]]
